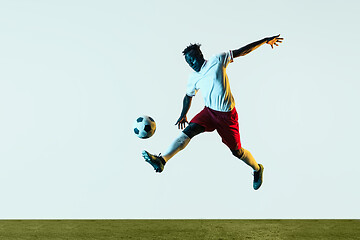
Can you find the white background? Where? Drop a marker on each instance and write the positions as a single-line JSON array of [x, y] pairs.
[[74, 75]]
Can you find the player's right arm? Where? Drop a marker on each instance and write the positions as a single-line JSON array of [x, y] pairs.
[[181, 122]]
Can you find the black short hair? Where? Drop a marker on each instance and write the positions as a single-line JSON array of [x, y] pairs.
[[195, 46]]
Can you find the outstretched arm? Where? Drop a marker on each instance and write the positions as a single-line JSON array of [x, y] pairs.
[[186, 106], [252, 46]]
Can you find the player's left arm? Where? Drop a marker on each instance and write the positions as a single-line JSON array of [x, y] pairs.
[[252, 46]]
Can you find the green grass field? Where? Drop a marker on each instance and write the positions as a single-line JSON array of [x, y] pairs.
[[179, 229]]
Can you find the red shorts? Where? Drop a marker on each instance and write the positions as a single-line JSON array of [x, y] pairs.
[[225, 123]]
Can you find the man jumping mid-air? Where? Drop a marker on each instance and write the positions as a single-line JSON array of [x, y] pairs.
[[219, 113]]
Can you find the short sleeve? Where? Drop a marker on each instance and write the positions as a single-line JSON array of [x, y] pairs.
[[191, 89], [226, 58]]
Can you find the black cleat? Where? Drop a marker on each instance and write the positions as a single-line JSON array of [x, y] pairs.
[[156, 161], [258, 177]]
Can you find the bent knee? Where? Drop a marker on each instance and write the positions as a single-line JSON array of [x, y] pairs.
[[193, 129], [239, 153]]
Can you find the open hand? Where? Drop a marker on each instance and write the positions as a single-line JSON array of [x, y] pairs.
[[181, 122], [274, 40]]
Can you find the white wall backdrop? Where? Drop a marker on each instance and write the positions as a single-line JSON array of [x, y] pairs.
[[74, 75]]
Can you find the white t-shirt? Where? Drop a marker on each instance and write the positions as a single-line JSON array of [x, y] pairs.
[[214, 83]]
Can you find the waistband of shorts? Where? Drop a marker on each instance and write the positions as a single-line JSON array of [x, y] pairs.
[[220, 112]]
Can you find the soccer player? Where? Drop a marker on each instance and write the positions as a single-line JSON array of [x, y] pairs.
[[219, 112]]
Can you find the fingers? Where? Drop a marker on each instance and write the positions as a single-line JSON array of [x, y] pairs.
[[181, 122], [277, 37], [184, 124], [181, 125], [275, 42]]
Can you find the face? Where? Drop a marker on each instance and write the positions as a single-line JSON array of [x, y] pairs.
[[195, 60]]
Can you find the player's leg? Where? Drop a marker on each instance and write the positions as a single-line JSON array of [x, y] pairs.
[[246, 157], [228, 129], [158, 162], [200, 123], [183, 140], [193, 129]]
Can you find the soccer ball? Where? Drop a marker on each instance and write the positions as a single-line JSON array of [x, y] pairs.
[[144, 127]]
